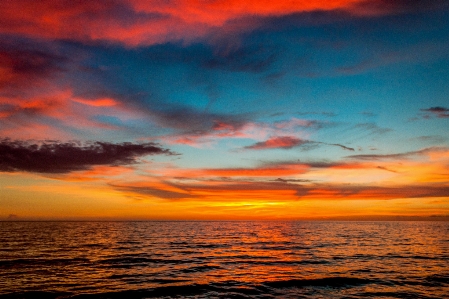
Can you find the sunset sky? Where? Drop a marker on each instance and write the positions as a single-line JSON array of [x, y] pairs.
[[224, 109]]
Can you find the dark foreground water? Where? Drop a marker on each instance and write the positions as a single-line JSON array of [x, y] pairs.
[[224, 259]]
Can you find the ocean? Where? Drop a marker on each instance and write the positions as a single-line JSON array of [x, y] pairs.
[[220, 259]]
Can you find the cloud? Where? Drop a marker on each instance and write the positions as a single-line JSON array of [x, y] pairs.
[[288, 190], [282, 142], [407, 155], [55, 108], [252, 59], [142, 22], [196, 128], [430, 139], [388, 177], [291, 180], [385, 156], [218, 126], [21, 64], [263, 171], [387, 169], [340, 145], [252, 56], [289, 142], [422, 52], [153, 192], [323, 113], [194, 121], [371, 192], [376, 7], [372, 128], [102, 102], [53, 104], [56, 157], [440, 112]]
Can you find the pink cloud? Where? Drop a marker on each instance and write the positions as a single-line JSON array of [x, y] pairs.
[[284, 142], [293, 129]]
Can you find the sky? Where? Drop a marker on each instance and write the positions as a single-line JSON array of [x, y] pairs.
[[224, 109]]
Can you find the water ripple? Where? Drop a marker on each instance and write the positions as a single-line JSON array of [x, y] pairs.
[[224, 260]]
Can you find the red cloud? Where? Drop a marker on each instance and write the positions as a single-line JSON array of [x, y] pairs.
[[137, 22], [32, 115], [30, 67]]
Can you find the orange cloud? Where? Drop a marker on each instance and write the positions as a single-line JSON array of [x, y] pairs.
[[275, 171], [96, 173], [102, 102]]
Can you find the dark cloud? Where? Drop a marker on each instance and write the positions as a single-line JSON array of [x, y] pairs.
[[363, 14], [242, 186], [318, 164], [341, 146], [329, 114], [24, 64], [292, 180], [188, 119], [373, 192], [252, 59], [438, 111], [56, 157], [288, 142], [387, 169], [144, 190], [384, 157], [372, 128], [406, 155], [389, 54], [248, 57], [400, 6], [416, 35], [302, 191], [312, 164], [431, 139]]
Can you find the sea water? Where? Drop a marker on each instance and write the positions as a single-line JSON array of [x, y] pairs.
[[224, 259]]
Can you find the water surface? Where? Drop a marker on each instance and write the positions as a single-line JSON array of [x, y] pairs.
[[224, 259]]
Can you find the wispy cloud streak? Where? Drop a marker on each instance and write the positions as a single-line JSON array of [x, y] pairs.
[[289, 142]]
